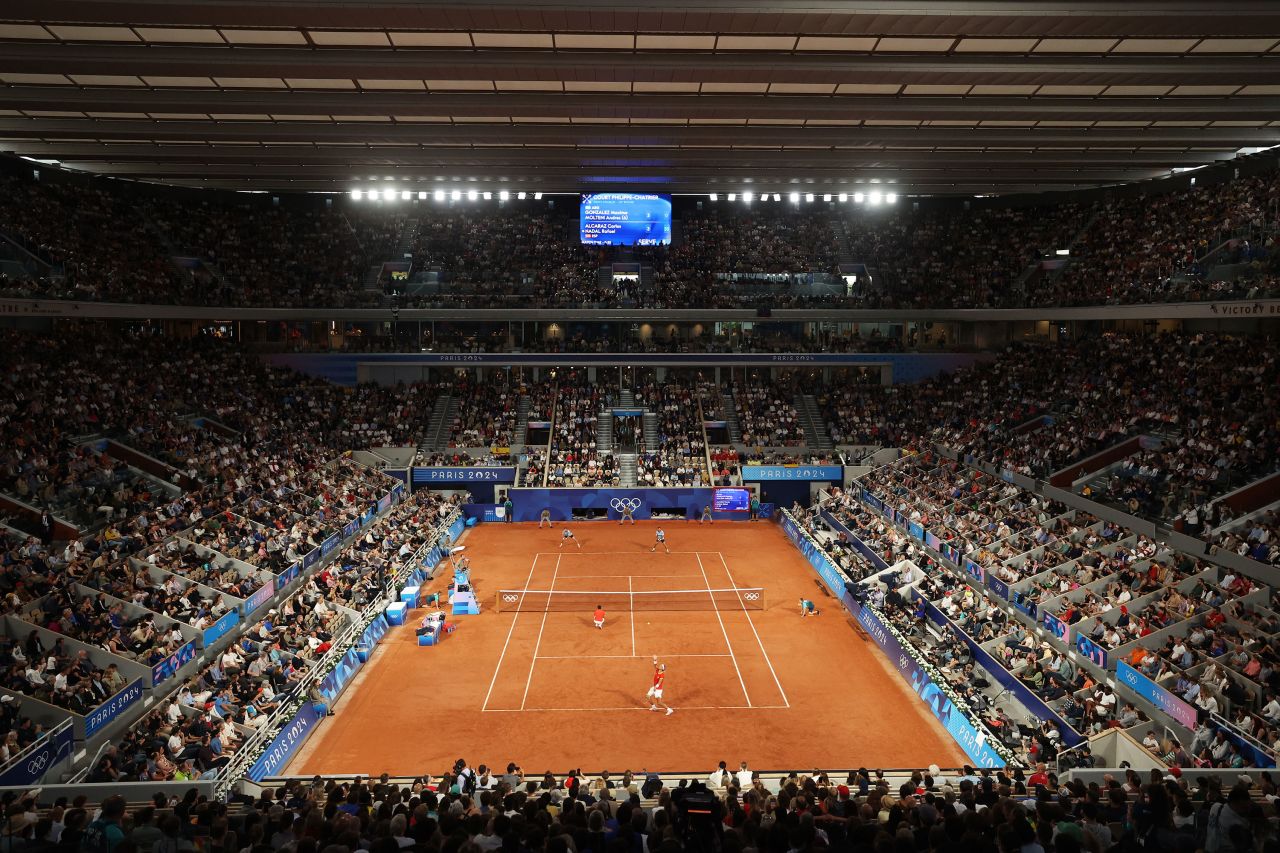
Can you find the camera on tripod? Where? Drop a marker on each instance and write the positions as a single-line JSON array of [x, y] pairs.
[[699, 816]]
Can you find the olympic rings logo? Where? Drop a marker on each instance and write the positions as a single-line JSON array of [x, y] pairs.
[[629, 504], [751, 596], [38, 762], [511, 596]]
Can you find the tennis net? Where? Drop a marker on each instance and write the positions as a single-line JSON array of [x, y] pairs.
[[553, 601]]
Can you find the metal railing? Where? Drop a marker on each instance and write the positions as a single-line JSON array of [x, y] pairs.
[[340, 645], [33, 747]]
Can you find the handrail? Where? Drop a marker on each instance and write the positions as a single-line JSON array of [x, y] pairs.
[[30, 748], [338, 649]]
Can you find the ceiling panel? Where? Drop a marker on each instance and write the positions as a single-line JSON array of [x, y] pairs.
[[180, 35], [349, 38], [318, 92], [263, 36]]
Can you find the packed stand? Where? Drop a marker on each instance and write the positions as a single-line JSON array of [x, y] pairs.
[[573, 460], [1135, 247], [766, 415], [680, 456]]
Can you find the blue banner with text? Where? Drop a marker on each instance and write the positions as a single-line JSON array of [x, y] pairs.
[[958, 725], [100, 716]]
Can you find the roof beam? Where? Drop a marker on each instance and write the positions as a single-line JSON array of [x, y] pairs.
[[642, 136], [608, 105], [426, 63]]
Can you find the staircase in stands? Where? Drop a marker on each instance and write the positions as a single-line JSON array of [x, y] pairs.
[[815, 429], [731, 417], [438, 426], [604, 432]]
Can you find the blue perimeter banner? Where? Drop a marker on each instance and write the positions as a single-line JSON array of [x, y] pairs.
[[112, 708], [528, 504], [282, 748], [1056, 626], [287, 576], [472, 474], [958, 725], [169, 667], [1165, 700], [220, 628], [821, 563], [295, 732], [1025, 696], [1091, 650], [46, 754], [259, 598], [811, 473]]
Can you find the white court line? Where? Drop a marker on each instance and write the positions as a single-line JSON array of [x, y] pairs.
[[510, 631], [627, 657], [632, 598], [646, 710], [541, 628], [734, 585], [714, 607], [586, 553], [620, 577]]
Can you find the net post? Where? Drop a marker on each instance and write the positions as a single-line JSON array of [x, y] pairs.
[[497, 602]]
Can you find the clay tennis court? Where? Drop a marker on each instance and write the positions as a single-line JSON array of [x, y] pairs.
[[544, 688]]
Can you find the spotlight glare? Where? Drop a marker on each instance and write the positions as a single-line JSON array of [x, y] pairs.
[[522, 196], [875, 198], [858, 198], [487, 196], [747, 197], [733, 196], [794, 198], [843, 197], [808, 196], [714, 197], [405, 195], [374, 195], [356, 195], [826, 196], [422, 195], [438, 195], [456, 195], [504, 196], [472, 195], [891, 198], [537, 196]]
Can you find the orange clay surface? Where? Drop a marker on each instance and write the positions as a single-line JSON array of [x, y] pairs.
[[550, 691]]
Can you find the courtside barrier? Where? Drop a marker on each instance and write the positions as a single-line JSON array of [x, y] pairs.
[[1025, 695], [271, 748], [970, 735], [528, 504]]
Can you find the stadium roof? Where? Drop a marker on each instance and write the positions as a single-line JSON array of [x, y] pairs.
[[986, 96]]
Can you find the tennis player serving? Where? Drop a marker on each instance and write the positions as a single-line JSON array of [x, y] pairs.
[[655, 692]]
